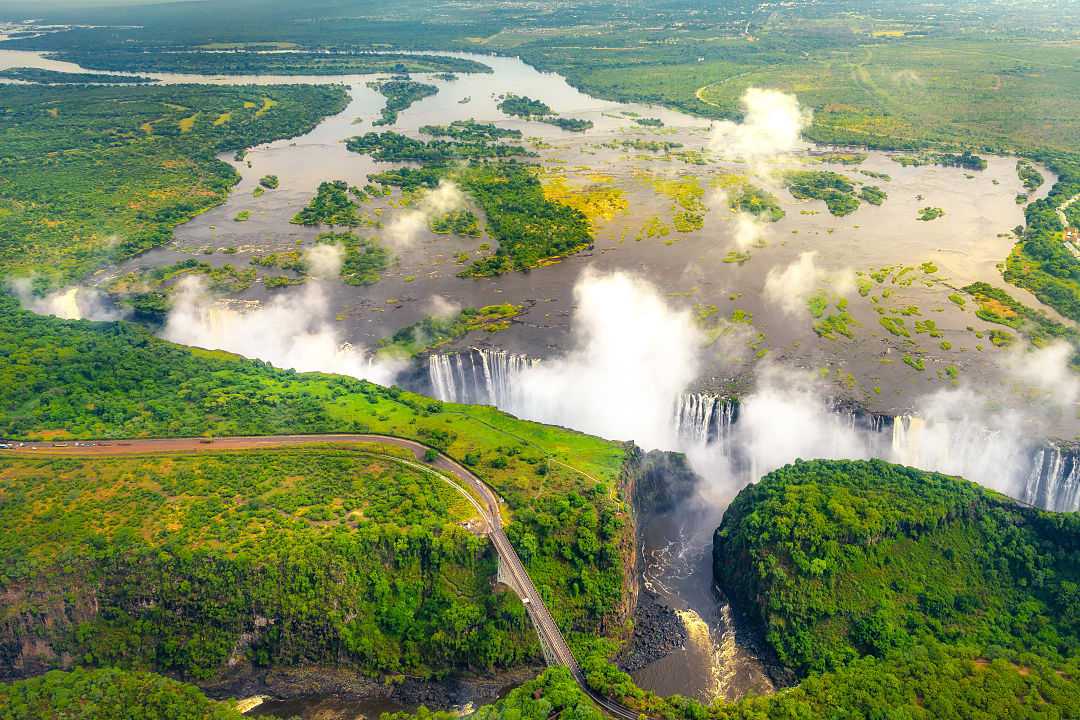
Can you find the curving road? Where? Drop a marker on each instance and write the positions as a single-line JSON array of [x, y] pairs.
[[482, 497]]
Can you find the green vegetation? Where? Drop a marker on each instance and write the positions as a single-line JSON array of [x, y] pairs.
[[242, 216], [840, 158], [525, 107], [400, 94], [965, 160], [394, 147], [571, 124], [470, 131], [893, 592], [146, 291], [431, 333], [364, 261], [744, 196], [409, 179], [251, 524], [1029, 175], [873, 194], [830, 325], [997, 306], [55, 77], [649, 122], [1040, 261], [456, 222], [930, 213], [330, 206], [270, 182], [894, 325], [257, 63], [108, 694], [839, 560], [837, 191], [98, 174], [531, 229], [927, 327], [1001, 338], [915, 362], [568, 522], [598, 201]]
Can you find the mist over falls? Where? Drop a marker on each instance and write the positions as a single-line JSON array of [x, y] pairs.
[[731, 443], [634, 356]]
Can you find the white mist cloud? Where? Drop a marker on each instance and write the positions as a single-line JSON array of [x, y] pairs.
[[293, 330], [324, 261], [632, 356], [790, 286], [405, 227], [772, 125], [749, 231], [786, 417], [72, 303], [442, 308], [960, 432], [1047, 372]]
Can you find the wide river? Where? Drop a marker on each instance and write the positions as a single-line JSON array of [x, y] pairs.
[[688, 267]]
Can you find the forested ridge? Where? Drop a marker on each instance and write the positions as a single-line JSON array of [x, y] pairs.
[[193, 564]]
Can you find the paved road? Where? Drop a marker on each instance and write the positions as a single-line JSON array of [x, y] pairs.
[[481, 496]]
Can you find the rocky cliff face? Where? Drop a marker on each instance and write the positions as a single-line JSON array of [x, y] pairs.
[[651, 482]]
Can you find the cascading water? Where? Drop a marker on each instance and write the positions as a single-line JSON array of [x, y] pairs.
[[1054, 480], [477, 376], [705, 419], [1047, 476]]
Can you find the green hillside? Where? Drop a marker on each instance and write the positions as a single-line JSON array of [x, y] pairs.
[[76, 379]]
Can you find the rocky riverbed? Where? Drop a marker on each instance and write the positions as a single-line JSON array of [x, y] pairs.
[[658, 631]]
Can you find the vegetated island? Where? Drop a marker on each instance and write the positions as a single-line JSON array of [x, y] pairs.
[[529, 109], [530, 228], [400, 94], [262, 63], [885, 590], [55, 77]]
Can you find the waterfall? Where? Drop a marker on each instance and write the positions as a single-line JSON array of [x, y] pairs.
[[705, 419], [477, 376], [1053, 482]]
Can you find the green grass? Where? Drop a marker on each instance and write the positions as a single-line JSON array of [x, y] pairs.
[[837, 191], [997, 306], [894, 325]]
